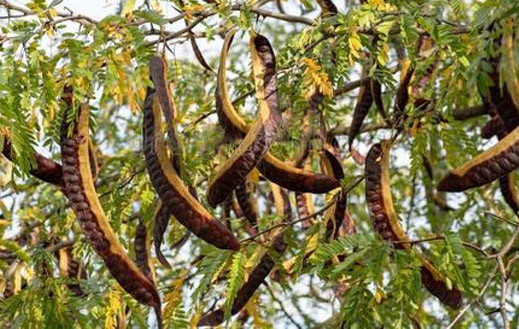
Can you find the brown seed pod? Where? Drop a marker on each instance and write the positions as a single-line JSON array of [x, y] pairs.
[[328, 8], [169, 186], [376, 93], [71, 268], [247, 201], [332, 166], [275, 170], [492, 128], [160, 224], [387, 224], [509, 192], [262, 133], [488, 166], [364, 102], [260, 272], [402, 93], [142, 250], [80, 190]]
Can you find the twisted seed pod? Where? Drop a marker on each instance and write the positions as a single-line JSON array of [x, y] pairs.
[[364, 102], [71, 268], [80, 190], [488, 166], [275, 170], [160, 224], [259, 273], [376, 93], [170, 188], [142, 247], [262, 133], [402, 93], [386, 222]]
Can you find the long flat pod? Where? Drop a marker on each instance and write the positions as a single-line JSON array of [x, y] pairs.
[[509, 192], [488, 166], [260, 272], [275, 170], [170, 187], [80, 190], [142, 250], [387, 224], [262, 133]]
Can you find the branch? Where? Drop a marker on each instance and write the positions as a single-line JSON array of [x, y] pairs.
[[284, 17]]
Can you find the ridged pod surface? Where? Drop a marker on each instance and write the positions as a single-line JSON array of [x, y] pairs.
[[247, 201], [80, 190], [262, 133], [387, 224], [509, 192], [402, 93], [142, 250], [499, 160], [171, 189], [258, 274], [275, 170], [492, 128]]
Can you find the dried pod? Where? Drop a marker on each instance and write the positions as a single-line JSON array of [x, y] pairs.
[[275, 170], [142, 250], [260, 272], [332, 166], [262, 133], [488, 166], [160, 224], [492, 128], [364, 102], [402, 93], [71, 268], [509, 192], [387, 224], [376, 93], [170, 187], [80, 190], [247, 200], [328, 8]]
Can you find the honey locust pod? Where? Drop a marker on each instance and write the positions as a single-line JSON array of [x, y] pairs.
[[80, 190], [261, 271], [142, 250], [509, 192], [387, 224], [273, 169], [364, 102], [170, 187], [72, 269], [499, 160], [262, 133]]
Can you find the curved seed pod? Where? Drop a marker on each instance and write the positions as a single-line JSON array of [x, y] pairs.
[[94, 164], [71, 268], [305, 207], [262, 133], [376, 93], [364, 102], [142, 247], [492, 128], [247, 201], [332, 166], [488, 166], [402, 93], [272, 168], [80, 190], [259, 273], [386, 222], [46, 169], [169, 186], [160, 224], [509, 192]]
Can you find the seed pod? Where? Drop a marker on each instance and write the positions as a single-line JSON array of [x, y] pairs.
[[142, 249], [332, 166], [387, 224], [328, 8], [402, 93], [160, 224], [71, 268], [364, 102], [488, 166], [376, 93], [492, 128], [262, 133], [170, 188], [80, 190], [259, 273], [273, 169], [509, 192], [247, 201], [94, 164]]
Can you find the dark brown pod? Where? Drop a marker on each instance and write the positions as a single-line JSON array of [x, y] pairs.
[[262, 133], [80, 190], [248, 203], [376, 92], [499, 160], [387, 224], [364, 102], [142, 250], [160, 224], [492, 128], [328, 8], [509, 192], [71, 268], [402, 93]]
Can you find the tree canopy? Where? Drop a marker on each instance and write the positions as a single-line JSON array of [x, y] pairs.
[[266, 164]]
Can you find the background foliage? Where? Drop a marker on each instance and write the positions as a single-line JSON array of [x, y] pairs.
[[44, 46]]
